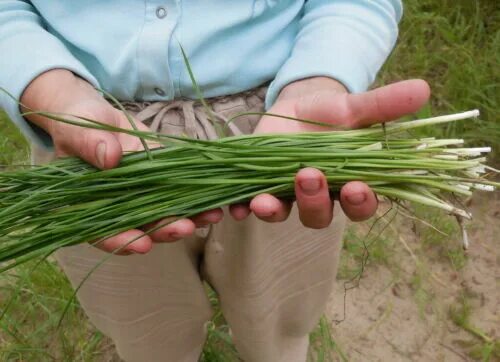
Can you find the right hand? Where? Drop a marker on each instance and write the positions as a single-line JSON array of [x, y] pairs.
[[74, 96]]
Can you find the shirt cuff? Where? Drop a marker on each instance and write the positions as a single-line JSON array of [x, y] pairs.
[[347, 41], [35, 53]]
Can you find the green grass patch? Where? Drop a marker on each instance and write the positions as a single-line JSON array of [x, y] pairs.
[[454, 45], [28, 331], [13, 147], [481, 346], [441, 242], [361, 250]]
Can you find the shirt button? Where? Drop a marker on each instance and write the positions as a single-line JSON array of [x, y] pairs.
[[161, 12], [160, 92]]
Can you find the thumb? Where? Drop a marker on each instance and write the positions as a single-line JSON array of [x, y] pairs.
[[99, 148], [364, 109]]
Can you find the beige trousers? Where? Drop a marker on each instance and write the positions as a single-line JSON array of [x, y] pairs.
[[273, 280]]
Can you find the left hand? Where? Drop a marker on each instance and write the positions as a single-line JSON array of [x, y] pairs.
[[326, 100]]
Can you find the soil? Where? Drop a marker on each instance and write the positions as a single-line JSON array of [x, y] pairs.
[[389, 318]]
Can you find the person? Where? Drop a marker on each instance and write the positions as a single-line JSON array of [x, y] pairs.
[[272, 265]]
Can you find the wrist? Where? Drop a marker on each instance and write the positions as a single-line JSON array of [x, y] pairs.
[[289, 99], [304, 87]]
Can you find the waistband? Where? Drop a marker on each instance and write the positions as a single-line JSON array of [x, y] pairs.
[[186, 117]]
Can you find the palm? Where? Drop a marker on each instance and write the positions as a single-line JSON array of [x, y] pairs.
[[343, 110], [270, 124]]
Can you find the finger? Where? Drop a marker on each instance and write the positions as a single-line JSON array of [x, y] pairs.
[[364, 109], [208, 217], [171, 232], [313, 198], [99, 148], [270, 209], [142, 245], [239, 211], [358, 201]]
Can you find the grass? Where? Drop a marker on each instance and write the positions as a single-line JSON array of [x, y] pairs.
[[71, 192], [13, 147], [454, 45], [480, 346], [28, 331], [451, 43]]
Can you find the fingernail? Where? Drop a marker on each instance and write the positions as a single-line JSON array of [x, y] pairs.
[[310, 186], [356, 199], [101, 154]]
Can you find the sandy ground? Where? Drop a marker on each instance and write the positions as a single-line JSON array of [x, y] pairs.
[[385, 320]]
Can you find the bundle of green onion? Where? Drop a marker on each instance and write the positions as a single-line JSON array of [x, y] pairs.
[[69, 202]]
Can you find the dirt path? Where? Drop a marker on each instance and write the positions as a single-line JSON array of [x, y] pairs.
[[403, 312]]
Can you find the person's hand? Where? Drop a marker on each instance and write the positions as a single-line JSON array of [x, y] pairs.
[[326, 100], [59, 91]]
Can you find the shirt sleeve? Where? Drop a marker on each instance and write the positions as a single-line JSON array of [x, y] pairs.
[[27, 50], [348, 40]]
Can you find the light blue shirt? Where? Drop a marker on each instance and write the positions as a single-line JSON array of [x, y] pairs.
[[131, 47]]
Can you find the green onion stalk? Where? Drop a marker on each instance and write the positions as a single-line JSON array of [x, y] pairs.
[[68, 202]]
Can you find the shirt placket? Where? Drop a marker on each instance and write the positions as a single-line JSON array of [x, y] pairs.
[[153, 59]]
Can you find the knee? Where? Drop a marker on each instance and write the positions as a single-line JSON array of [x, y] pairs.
[[178, 339]]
